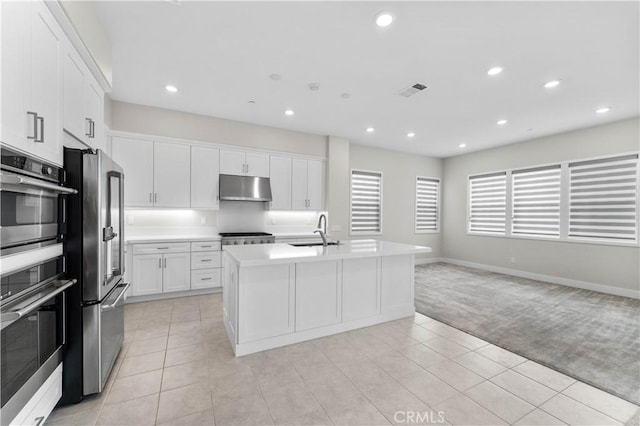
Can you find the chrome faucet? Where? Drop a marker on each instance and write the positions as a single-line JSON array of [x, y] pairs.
[[322, 235], [322, 224], [322, 228]]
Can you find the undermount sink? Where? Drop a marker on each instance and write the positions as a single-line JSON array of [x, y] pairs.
[[332, 243]]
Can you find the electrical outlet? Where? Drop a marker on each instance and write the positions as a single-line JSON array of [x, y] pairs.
[[203, 220], [274, 221], [130, 220], [335, 228], [512, 259]]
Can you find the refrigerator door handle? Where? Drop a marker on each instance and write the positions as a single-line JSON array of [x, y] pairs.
[[124, 287]]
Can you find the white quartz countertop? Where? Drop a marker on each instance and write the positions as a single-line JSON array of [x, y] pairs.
[[170, 238], [268, 254]]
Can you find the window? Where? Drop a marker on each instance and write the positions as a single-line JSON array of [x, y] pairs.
[[427, 204], [488, 203], [536, 202], [603, 199], [366, 202], [592, 200]]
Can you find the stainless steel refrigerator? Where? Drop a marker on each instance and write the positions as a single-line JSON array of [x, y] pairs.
[[95, 253]]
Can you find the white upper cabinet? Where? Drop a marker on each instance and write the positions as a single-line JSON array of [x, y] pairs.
[[315, 184], [31, 83], [234, 162], [171, 175], [257, 164], [280, 170], [45, 83], [307, 186], [83, 100], [135, 156], [205, 177], [157, 174], [299, 184]]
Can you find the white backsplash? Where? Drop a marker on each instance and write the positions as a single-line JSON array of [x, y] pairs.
[[233, 216]]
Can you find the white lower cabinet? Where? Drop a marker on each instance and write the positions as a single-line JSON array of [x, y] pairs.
[[176, 275], [147, 274], [160, 268], [41, 404], [267, 302], [206, 278], [318, 294], [161, 273], [360, 288]]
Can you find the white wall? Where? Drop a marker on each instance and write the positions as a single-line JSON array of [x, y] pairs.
[[399, 171], [605, 265], [163, 122], [85, 21]]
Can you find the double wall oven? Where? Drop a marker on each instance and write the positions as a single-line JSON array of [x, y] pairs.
[[34, 278]]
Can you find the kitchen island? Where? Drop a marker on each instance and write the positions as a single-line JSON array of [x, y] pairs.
[[277, 294]]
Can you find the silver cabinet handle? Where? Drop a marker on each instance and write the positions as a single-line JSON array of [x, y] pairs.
[[93, 129], [38, 420], [88, 121], [206, 260], [205, 279], [205, 246], [10, 178], [150, 197], [160, 263], [162, 248], [41, 121], [165, 262], [155, 197], [35, 125]]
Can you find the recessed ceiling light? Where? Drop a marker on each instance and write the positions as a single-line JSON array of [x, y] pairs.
[[462, 145], [501, 122], [384, 19], [171, 89], [345, 95], [410, 134], [370, 130], [551, 84], [314, 87], [603, 110], [494, 71], [288, 112], [275, 77]]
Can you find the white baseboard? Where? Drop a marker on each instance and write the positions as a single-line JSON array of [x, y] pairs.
[[172, 295], [602, 288]]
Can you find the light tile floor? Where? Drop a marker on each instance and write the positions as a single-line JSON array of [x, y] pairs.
[[177, 368]]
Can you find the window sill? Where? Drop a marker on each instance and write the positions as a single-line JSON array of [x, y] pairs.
[[633, 244]]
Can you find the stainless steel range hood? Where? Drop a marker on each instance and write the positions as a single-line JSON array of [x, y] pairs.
[[244, 188]]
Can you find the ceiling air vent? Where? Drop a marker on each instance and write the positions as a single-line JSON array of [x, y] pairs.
[[412, 90]]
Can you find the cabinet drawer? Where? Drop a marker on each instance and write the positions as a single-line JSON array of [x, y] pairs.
[[160, 248], [205, 278], [206, 246], [205, 260], [38, 408]]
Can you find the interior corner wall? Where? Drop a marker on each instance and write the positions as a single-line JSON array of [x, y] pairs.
[[399, 172], [337, 184], [134, 118], [604, 265]]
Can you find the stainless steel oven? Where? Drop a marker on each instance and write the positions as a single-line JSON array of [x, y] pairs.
[[32, 202], [32, 330]]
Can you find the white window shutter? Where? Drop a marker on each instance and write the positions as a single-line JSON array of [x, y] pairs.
[[536, 202], [366, 202], [427, 204], [603, 199], [488, 203]]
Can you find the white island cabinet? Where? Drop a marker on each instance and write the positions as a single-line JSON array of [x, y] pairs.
[[277, 294]]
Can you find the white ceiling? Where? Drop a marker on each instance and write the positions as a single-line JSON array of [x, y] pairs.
[[220, 55]]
